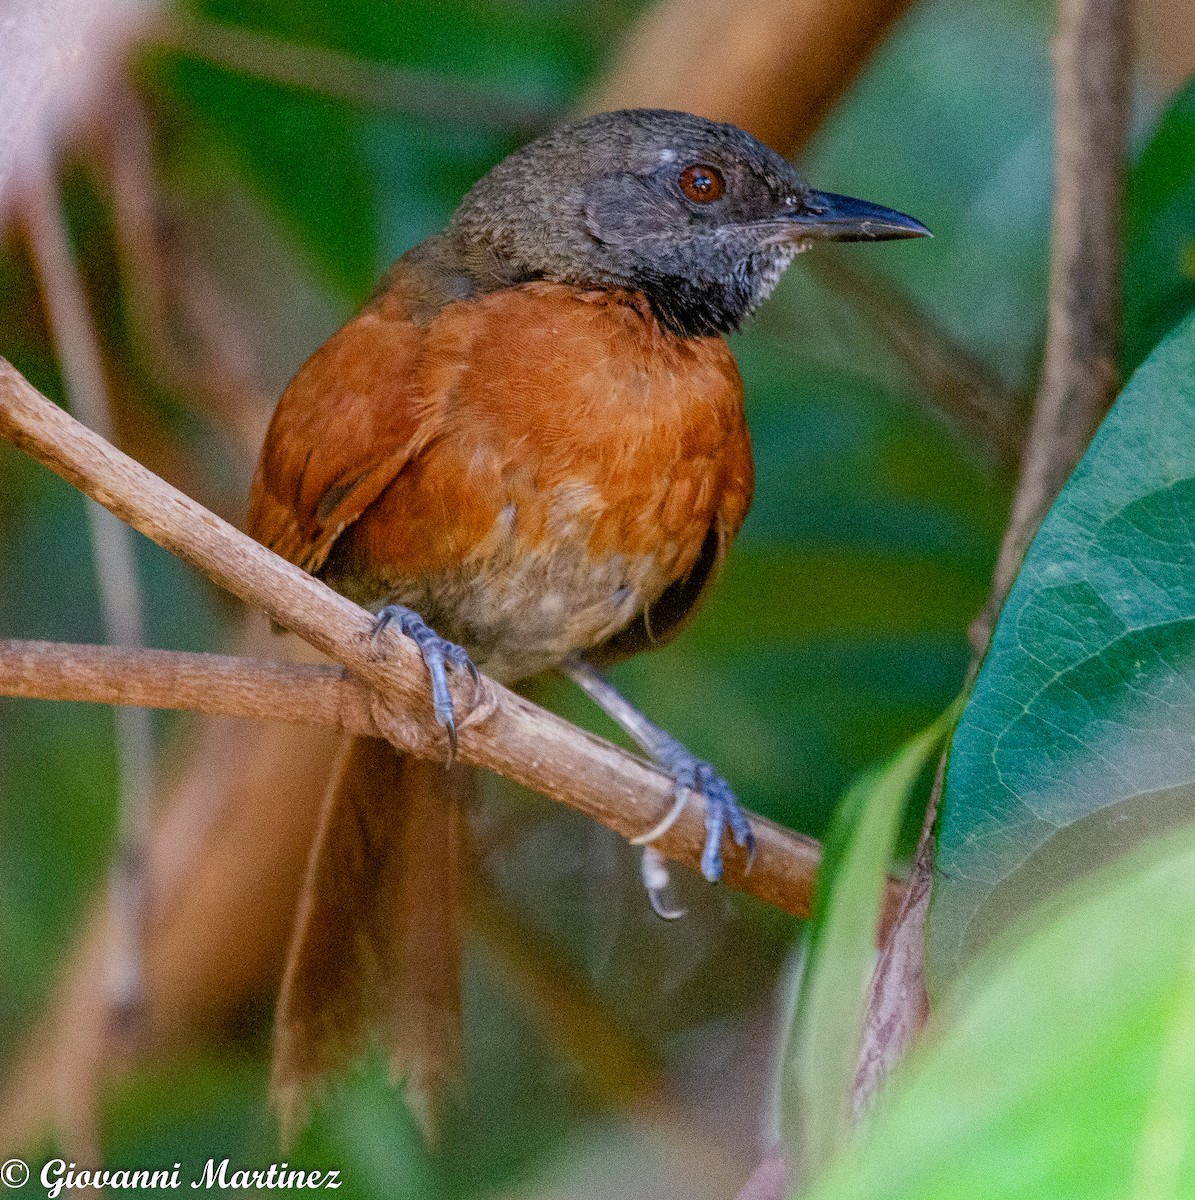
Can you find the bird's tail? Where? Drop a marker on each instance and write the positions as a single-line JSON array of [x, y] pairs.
[[377, 940]]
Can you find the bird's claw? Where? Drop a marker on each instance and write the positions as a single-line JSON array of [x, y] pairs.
[[654, 873], [691, 774], [438, 654], [721, 810]]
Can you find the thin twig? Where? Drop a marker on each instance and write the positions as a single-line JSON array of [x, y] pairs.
[[77, 344], [348, 77], [958, 384], [212, 367], [1092, 62], [503, 733]]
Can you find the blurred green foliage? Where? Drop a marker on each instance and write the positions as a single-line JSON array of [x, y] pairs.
[[838, 630], [1160, 246], [1064, 1067]]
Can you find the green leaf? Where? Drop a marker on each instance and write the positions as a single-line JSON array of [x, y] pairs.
[[1079, 737], [301, 153], [1065, 1069], [1159, 277], [818, 1072]]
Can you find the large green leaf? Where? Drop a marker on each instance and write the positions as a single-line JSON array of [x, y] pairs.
[[1079, 738], [1160, 242], [1066, 1072]]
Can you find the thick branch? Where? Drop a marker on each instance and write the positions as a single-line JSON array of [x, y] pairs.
[[512, 736], [1092, 62], [773, 67]]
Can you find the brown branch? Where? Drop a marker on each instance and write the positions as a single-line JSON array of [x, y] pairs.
[[1091, 62], [259, 688], [307, 694], [773, 67], [505, 732]]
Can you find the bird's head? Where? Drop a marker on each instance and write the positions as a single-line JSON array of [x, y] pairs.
[[699, 216]]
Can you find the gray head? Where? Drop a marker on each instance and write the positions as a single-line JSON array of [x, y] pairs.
[[699, 216]]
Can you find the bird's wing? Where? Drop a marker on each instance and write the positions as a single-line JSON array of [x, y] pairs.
[[661, 621], [345, 427]]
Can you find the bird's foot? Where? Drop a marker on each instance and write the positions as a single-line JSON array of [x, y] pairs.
[[691, 774], [438, 654]]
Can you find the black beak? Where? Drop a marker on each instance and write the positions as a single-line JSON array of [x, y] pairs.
[[843, 219]]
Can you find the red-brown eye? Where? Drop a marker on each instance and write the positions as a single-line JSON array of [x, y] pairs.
[[702, 183]]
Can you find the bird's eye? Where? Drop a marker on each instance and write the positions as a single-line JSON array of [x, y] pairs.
[[701, 183]]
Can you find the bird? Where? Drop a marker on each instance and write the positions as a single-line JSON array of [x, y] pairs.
[[526, 452]]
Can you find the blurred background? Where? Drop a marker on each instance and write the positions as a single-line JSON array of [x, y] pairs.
[[233, 176]]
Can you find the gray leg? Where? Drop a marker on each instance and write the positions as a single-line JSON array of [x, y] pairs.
[[438, 654], [688, 772]]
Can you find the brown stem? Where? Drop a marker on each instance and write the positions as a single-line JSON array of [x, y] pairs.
[[76, 343], [504, 733], [1079, 374], [1091, 61]]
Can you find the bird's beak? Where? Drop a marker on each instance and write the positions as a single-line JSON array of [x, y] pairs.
[[834, 218]]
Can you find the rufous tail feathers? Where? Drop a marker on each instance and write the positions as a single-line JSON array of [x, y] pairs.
[[377, 943]]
